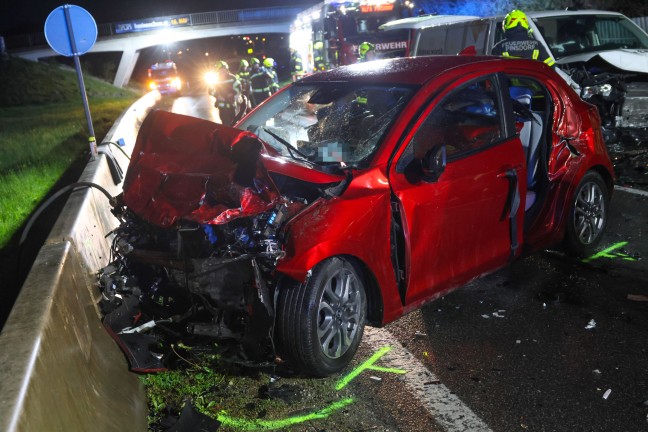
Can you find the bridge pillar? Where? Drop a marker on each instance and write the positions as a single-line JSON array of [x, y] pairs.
[[126, 65]]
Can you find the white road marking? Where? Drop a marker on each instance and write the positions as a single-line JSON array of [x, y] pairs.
[[632, 191], [446, 408]]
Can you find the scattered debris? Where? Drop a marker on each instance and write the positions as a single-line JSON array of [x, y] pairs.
[[638, 297], [420, 334], [375, 378], [607, 393], [590, 325], [596, 371], [286, 392], [497, 315], [485, 316], [518, 341], [191, 420]]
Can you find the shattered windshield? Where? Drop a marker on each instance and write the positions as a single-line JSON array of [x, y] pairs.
[[325, 123], [578, 34]]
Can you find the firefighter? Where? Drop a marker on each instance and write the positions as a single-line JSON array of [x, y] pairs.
[[518, 42], [366, 52], [227, 92], [296, 66], [243, 74], [269, 64], [318, 56], [260, 81]]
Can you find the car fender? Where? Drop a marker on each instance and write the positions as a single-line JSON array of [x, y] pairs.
[[358, 227]]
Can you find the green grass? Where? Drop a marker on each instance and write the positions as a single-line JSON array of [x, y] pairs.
[[43, 130], [31, 83], [233, 394]]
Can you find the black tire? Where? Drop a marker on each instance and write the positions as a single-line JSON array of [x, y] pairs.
[[320, 323], [588, 215]]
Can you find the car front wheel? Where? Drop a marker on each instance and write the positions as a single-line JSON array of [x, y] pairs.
[[320, 322], [588, 216]]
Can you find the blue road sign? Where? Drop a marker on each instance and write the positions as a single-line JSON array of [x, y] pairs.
[[70, 30]]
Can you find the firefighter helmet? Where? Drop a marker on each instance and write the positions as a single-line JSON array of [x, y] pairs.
[[221, 65], [318, 45], [244, 63], [269, 62], [515, 18], [364, 48], [255, 61]]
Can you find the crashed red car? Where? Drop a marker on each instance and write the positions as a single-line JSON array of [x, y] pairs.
[[351, 197]]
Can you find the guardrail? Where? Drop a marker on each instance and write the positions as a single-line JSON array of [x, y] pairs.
[[194, 19], [60, 370]]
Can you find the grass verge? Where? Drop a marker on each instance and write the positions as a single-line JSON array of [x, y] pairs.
[[38, 144], [241, 398]]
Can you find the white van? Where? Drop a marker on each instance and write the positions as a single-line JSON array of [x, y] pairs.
[[604, 53]]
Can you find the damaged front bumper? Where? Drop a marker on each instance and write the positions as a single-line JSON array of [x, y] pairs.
[[194, 256]]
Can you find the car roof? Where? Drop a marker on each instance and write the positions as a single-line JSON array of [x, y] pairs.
[[426, 21], [554, 13], [407, 70]]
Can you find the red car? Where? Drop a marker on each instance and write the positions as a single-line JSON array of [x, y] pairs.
[[353, 196]]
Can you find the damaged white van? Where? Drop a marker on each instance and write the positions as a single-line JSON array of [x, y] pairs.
[[604, 53]]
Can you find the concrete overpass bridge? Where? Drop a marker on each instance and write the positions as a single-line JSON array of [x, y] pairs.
[[130, 37]]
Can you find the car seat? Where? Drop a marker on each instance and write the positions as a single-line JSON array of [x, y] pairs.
[[530, 136]]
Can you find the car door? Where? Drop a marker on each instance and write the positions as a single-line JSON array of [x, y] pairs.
[[458, 182]]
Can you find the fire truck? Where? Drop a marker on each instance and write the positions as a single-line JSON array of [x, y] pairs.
[[163, 76], [340, 26]]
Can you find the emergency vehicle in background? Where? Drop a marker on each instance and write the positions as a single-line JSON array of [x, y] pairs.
[[164, 77], [341, 26]]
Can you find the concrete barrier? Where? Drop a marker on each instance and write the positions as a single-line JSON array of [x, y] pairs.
[[59, 369]]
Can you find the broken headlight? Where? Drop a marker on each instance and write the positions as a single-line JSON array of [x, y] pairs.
[[601, 89]]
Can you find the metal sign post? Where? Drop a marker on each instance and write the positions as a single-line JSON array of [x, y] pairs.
[[71, 31]]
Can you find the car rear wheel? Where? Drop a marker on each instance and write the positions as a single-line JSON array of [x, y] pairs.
[[320, 322], [588, 216]]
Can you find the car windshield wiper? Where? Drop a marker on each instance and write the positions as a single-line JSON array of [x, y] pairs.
[[288, 146]]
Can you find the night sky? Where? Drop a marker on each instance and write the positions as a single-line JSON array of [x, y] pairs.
[[28, 16]]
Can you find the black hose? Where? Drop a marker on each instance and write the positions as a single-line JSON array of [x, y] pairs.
[[116, 145], [51, 199]]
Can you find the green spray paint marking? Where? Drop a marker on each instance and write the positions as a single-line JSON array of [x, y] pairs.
[[368, 364], [605, 253], [250, 425]]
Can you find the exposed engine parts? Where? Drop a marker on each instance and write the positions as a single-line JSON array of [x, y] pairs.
[[194, 281]]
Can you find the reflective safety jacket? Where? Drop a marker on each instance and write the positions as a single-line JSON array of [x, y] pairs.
[[261, 81], [274, 87], [226, 91], [517, 43], [244, 77], [318, 60], [296, 66]]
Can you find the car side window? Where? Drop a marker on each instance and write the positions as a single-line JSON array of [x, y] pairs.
[[466, 121], [432, 41], [453, 38], [467, 34]]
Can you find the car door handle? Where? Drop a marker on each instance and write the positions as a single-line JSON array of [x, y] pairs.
[[504, 173]]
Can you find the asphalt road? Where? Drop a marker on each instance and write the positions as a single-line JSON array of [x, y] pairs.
[[550, 343]]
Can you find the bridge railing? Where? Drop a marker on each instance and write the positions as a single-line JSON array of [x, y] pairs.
[[194, 19]]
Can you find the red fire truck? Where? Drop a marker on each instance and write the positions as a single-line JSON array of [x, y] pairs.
[[164, 77], [341, 26]]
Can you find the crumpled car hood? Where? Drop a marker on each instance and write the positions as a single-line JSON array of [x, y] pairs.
[[631, 60], [187, 168]]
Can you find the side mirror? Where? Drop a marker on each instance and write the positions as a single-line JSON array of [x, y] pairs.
[[434, 163], [429, 168]]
